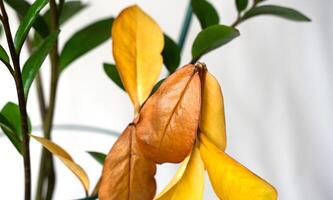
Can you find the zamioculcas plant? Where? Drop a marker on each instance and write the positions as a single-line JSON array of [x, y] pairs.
[[183, 120], [178, 119]]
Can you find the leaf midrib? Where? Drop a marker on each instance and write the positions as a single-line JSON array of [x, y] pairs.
[[174, 109]]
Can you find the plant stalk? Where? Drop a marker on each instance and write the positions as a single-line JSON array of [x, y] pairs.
[[22, 103], [47, 171], [185, 27]]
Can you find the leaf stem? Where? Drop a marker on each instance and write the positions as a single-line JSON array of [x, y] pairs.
[[185, 27], [22, 102], [240, 18]]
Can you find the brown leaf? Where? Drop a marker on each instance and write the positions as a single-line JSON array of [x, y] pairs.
[[168, 121], [127, 175]]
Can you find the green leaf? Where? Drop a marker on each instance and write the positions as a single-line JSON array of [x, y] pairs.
[[33, 64], [284, 12], [157, 85], [85, 40], [212, 38], [11, 124], [113, 74], [171, 54], [70, 9], [11, 112], [27, 22], [4, 56], [241, 5], [9, 130], [21, 7], [205, 12], [99, 157]]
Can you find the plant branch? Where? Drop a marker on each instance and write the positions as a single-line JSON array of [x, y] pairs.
[[185, 27], [22, 102], [47, 171], [60, 7]]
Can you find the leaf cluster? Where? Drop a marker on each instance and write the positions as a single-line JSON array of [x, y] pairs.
[[179, 118]]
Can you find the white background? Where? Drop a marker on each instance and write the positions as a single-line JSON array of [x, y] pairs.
[[277, 80]]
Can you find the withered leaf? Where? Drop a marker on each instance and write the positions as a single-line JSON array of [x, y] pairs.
[[168, 121], [127, 175]]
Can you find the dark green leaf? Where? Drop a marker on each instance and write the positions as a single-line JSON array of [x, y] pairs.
[[113, 74], [284, 12], [33, 64], [171, 54], [99, 157], [70, 9], [21, 7], [11, 112], [4, 56], [11, 124], [9, 130], [212, 38], [205, 12], [156, 86], [241, 5], [27, 22], [85, 40]]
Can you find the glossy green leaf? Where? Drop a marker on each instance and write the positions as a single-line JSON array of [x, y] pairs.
[[12, 124], [112, 72], [27, 22], [70, 9], [284, 12], [241, 5], [85, 40], [21, 7], [11, 112], [33, 64], [171, 54], [9, 130], [205, 12], [4, 56], [99, 157], [212, 38]]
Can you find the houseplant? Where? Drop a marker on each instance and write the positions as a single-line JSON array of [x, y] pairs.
[[212, 36]]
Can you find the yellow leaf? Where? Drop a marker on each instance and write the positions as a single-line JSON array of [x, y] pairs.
[[230, 179], [66, 159], [212, 121], [176, 177], [137, 45], [191, 184]]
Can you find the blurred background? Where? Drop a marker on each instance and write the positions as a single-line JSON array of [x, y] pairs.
[[277, 81]]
